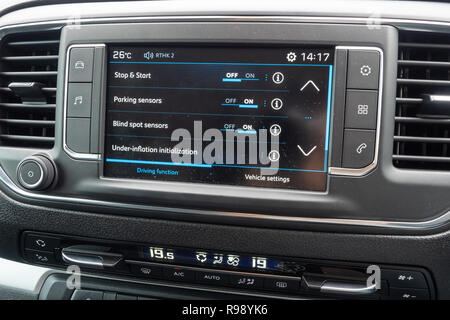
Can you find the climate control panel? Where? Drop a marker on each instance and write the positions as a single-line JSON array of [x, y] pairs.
[[234, 271]]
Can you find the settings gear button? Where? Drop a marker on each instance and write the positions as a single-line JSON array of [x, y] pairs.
[[363, 69]]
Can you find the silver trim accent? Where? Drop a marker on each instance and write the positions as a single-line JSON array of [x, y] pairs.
[[362, 171], [234, 18], [347, 288], [70, 152], [402, 225], [72, 258]]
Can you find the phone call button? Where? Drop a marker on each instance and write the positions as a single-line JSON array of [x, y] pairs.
[[359, 148]]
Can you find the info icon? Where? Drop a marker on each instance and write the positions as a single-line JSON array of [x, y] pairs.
[[278, 77], [276, 104], [274, 156], [275, 129]]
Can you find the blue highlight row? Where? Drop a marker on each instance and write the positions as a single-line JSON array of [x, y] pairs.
[[206, 89], [201, 114], [196, 165]]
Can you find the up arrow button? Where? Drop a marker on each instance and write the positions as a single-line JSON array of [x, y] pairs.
[[310, 82]]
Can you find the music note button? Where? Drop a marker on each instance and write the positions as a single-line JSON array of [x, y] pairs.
[[79, 100]]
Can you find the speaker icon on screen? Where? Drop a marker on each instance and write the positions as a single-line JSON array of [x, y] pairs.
[[148, 55]]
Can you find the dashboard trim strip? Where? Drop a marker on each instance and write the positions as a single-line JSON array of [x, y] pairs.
[[402, 225], [224, 18]]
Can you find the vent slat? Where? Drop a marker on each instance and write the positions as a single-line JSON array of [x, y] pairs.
[[434, 64], [422, 120], [424, 82], [30, 74], [26, 138], [36, 43], [33, 123], [27, 106], [27, 120], [422, 128], [45, 89], [421, 158], [30, 58], [409, 100], [404, 45], [421, 139]]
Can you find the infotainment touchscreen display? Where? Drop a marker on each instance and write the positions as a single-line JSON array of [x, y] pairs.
[[231, 115]]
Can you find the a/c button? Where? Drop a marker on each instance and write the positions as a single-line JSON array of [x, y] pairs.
[[179, 274]]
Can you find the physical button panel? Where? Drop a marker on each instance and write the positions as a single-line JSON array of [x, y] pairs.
[[361, 108], [301, 277], [83, 98]]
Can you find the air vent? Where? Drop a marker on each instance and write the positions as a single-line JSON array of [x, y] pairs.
[[28, 70], [422, 119]]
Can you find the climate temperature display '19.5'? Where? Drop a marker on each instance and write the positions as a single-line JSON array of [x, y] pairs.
[[218, 260], [161, 253]]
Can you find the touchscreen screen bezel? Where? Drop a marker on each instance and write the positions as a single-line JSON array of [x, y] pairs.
[[218, 186]]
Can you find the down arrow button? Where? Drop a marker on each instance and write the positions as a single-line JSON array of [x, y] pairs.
[[306, 154]]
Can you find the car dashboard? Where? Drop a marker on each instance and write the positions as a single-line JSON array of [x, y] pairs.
[[203, 150]]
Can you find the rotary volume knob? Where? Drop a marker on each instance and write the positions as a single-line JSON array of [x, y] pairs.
[[36, 173]]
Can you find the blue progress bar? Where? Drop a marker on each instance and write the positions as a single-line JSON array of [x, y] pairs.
[[240, 131], [246, 131], [237, 79], [246, 106], [160, 163]]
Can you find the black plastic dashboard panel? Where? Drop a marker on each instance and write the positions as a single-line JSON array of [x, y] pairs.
[[349, 200]]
